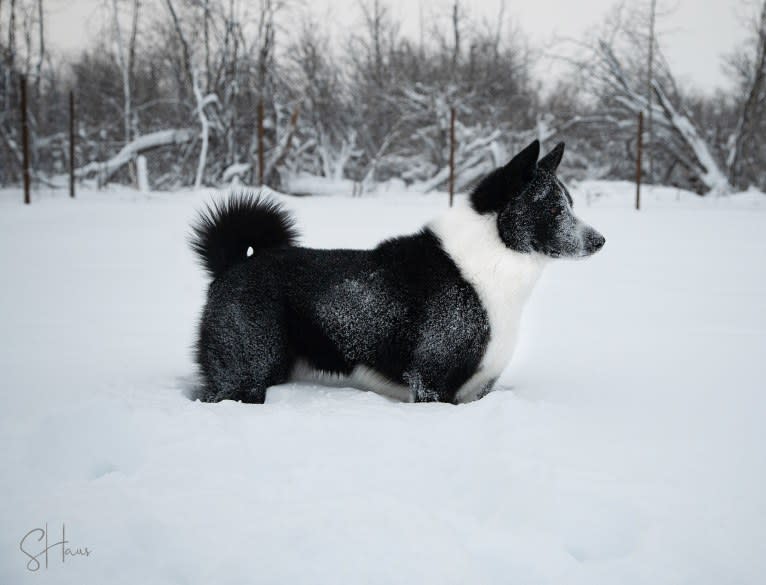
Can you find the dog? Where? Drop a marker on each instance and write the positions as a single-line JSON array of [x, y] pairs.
[[426, 317]]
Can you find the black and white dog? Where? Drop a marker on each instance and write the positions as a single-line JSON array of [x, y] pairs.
[[426, 317]]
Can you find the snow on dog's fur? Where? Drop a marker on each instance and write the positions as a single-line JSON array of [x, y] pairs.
[[427, 317], [502, 278]]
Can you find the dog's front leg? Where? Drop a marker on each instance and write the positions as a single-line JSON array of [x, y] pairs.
[[428, 388], [474, 389]]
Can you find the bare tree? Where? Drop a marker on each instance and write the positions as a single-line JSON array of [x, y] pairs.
[[132, 44], [456, 34], [185, 51], [650, 84], [373, 106], [753, 107], [12, 35], [682, 140], [206, 36], [328, 132], [615, 72], [122, 61], [41, 54], [378, 24], [27, 28]]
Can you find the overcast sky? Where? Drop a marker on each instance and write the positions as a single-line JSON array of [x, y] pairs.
[[696, 33]]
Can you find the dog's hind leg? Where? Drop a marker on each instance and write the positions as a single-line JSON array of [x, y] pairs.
[[242, 351]]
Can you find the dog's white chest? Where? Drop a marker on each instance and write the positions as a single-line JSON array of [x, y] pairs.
[[503, 292], [502, 278]]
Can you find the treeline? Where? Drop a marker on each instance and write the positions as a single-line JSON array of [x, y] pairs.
[[188, 84]]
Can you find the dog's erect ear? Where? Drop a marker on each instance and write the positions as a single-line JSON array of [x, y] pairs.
[[550, 162], [523, 164], [496, 189]]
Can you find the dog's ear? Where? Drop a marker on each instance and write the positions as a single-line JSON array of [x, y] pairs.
[[496, 189], [550, 162], [523, 165]]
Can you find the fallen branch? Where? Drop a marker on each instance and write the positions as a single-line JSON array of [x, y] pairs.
[[235, 170], [141, 144]]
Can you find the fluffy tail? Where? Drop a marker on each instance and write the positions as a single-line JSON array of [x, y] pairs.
[[224, 231]]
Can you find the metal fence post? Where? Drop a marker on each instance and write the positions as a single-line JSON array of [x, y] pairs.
[[25, 140], [71, 144], [451, 156], [638, 159]]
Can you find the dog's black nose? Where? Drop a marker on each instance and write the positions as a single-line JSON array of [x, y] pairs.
[[599, 241], [595, 242]]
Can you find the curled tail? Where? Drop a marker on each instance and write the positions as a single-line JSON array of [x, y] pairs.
[[224, 231]]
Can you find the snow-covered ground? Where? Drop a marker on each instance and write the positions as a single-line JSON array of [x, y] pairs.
[[626, 446]]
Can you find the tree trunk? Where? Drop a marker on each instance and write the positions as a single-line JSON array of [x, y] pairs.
[[40, 58], [186, 53], [12, 36], [205, 128], [456, 35], [282, 149], [748, 114], [126, 101], [206, 33], [132, 57]]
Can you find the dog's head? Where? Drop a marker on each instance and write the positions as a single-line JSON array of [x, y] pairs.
[[533, 208]]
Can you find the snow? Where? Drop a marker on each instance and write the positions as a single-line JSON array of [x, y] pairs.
[[625, 446], [304, 184]]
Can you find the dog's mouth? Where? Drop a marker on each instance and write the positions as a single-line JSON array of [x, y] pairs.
[[589, 247]]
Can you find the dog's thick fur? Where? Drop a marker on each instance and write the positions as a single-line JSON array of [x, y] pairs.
[[427, 317]]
